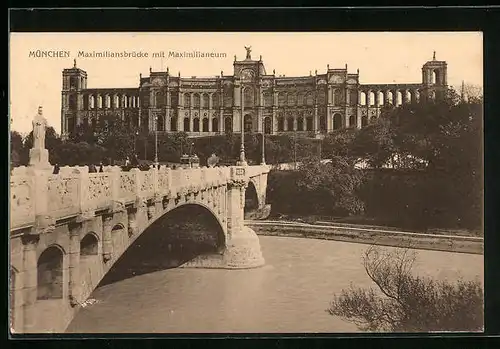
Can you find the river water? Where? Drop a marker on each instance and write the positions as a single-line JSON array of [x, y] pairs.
[[288, 295]]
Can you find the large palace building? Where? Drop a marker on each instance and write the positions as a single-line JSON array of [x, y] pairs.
[[201, 106]]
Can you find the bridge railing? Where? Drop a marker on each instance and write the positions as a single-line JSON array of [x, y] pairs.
[[61, 192], [74, 190], [22, 204]]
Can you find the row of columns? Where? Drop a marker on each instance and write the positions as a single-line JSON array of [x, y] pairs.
[[115, 102], [377, 98]]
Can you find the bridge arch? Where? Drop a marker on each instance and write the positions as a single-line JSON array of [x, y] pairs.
[[251, 197], [50, 273], [89, 245], [174, 238]]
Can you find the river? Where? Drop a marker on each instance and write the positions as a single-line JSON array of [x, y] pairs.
[[288, 295]]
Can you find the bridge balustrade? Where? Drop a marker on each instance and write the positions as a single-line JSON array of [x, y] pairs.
[[74, 190]]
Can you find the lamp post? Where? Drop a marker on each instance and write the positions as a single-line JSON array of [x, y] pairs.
[[295, 148], [156, 141], [242, 161], [136, 133], [263, 161]]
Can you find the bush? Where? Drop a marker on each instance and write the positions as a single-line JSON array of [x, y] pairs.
[[407, 303]]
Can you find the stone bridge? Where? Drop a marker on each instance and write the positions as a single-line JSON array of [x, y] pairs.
[[67, 230]]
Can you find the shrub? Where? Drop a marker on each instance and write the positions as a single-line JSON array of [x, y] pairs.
[[406, 303]]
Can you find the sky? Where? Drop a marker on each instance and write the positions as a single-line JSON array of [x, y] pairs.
[[381, 57]]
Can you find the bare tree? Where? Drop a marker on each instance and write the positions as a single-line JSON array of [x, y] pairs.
[[406, 303]]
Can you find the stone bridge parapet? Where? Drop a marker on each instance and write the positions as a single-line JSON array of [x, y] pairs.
[[68, 229]]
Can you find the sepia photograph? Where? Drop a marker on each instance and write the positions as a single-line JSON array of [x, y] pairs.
[[246, 182]]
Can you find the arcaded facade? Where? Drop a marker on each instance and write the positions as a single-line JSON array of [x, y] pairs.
[[201, 106]]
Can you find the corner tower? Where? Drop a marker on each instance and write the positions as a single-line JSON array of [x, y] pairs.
[[74, 80], [435, 78]]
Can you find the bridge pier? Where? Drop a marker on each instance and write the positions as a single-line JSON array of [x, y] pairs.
[[242, 244], [29, 294]]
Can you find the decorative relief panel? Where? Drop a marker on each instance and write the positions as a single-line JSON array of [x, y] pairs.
[[21, 202], [158, 82], [247, 74], [99, 188], [147, 181], [62, 192], [163, 181], [335, 79], [127, 184]]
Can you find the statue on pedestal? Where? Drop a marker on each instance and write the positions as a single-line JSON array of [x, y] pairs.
[[39, 156], [39, 128], [249, 49]]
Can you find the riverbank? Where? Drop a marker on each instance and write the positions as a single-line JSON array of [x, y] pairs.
[[436, 242]]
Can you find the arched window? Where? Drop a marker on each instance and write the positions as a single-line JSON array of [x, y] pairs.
[[300, 98], [363, 98], [268, 128], [187, 100], [309, 123], [173, 124], [50, 274], [309, 99], [371, 98], [416, 96], [89, 245], [289, 123], [99, 101], [300, 123], [107, 101], [434, 77], [337, 97], [390, 97], [215, 125], [186, 125], [292, 99], [248, 123], [248, 96], [399, 98], [196, 125], [364, 121], [352, 121], [281, 99], [205, 125], [408, 97], [228, 124], [281, 124], [337, 121], [215, 100], [196, 100], [381, 98], [116, 101], [206, 101], [73, 82]]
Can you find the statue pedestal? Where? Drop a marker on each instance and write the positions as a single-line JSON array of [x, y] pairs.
[[39, 158]]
